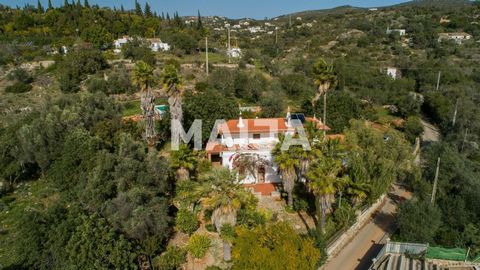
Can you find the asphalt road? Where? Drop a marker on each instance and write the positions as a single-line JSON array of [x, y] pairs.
[[358, 254]]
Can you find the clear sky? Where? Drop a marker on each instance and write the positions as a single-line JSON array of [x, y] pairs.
[[230, 8]]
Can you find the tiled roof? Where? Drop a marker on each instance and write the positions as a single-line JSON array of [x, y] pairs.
[[255, 126]]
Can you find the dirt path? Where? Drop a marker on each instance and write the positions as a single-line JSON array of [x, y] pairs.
[[358, 254], [430, 132]]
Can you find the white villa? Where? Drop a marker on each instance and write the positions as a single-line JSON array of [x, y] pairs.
[[401, 32], [118, 43], [254, 139], [457, 37], [393, 72], [234, 52], [156, 45]]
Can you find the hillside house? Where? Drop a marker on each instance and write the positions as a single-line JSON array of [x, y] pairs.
[[393, 72], [458, 37], [234, 52], [157, 45], [253, 140], [401, 32], [118, 43]]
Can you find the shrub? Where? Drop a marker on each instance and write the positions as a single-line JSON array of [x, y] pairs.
[[97, 84], [171, 259], [413, 127], [267, 247], [210, 227], [20, 75], [198, 245], [250, 218], [187, 221], [18, 87]]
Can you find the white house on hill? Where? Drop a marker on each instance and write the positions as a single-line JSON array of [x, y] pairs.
[[253, 140], [118, 43], [457, 37], [156, 45], [234, 52], [401, 32]]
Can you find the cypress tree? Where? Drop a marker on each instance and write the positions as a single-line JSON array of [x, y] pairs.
[[199, 21], [40, 7], [65, 3], [148, 10], [122, 9], [79, 5], [50, 6], [138, 9], [168, 16], [86, 4]]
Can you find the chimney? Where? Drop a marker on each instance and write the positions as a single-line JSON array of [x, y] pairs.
[[240, 124], [289, 118]]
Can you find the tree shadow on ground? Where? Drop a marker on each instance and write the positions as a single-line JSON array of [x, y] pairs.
[[385, 221]]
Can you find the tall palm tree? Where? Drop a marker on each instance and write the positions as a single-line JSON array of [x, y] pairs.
[[287, 163], [324, 79], [183, 161], [143, 78], [223, 194], [171, 81], [324, 183]]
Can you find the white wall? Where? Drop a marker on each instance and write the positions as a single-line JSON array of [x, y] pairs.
[[271, 172]]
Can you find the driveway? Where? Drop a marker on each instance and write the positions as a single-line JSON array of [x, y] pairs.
[[358, 254]]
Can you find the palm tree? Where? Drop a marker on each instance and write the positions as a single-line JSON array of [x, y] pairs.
[[358, 191], [143, 78], [183, 161], [287, 163], [324, 79], [223, 194], [171, 81], [324, 183]]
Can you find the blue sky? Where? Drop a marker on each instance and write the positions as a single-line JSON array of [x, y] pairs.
[[233, 9]]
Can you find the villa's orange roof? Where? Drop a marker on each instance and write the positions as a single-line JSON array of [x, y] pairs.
[[258, 125]]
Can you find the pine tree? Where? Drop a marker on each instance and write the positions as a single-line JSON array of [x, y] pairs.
[[65, 3], [50, 6], [199, 21], [138, 9], [86, 4], [168, 16], [122, 9], [79, 5], [148, 11], [40, 7], [163, 16]]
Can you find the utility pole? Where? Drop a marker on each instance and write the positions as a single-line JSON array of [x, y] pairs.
[[229, 48], [438, 79], [455, 114], [435, 182], [276, 35], [464, 140], [206, 54]]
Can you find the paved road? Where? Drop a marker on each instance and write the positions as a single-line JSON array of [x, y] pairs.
[[358, 254]]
